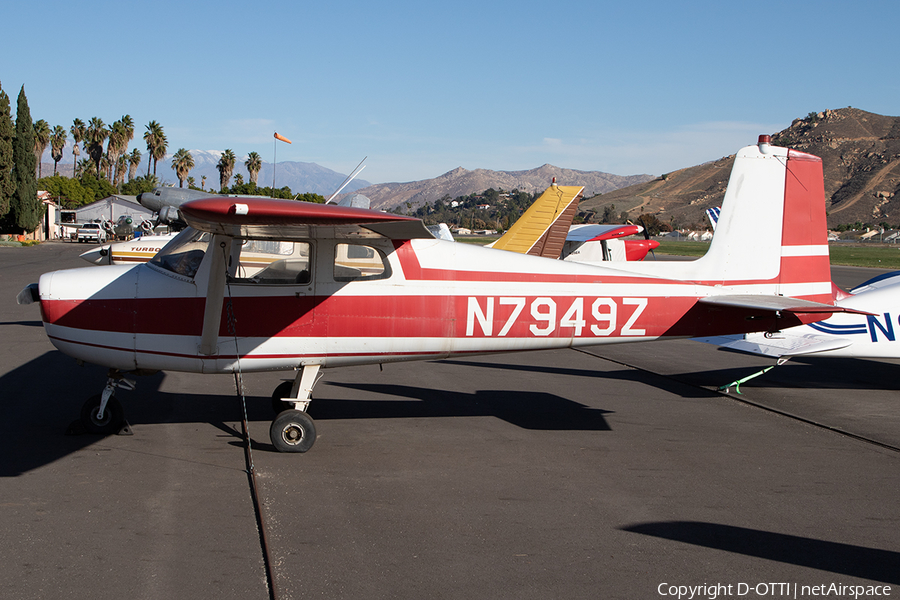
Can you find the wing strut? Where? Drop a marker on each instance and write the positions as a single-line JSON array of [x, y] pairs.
[[215, 295]]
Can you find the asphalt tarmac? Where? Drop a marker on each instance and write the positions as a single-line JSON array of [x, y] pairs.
[[614, 473]]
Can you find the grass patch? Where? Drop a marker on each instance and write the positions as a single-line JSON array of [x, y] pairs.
[[850, 255], [694, 249], [476, 239], [859, 255]]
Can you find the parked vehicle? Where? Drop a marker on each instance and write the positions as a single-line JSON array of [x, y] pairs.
[[92, 232]]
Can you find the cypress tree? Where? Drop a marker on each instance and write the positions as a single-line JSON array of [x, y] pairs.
[[26, 209], [7, 133]]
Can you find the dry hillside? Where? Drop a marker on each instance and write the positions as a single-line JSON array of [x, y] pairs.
[[860, 154], [462, 182]]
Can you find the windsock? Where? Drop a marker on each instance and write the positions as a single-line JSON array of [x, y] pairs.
[[278, 136]]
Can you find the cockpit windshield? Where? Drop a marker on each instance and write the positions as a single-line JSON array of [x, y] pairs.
[[184, 253]]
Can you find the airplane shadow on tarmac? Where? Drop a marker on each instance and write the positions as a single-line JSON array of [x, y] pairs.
[[661, 382], [845, 559], [528, 410], [43, 397]]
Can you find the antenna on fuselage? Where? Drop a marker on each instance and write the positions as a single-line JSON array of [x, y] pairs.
[[350, 177]]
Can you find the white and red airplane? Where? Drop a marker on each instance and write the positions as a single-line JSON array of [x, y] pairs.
[[345, 286]]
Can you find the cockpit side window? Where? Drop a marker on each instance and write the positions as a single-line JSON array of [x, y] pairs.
[[267, 262], [355, 262], [184, 253]]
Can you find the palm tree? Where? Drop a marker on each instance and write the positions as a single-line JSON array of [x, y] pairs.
[[41, 139], [57, 143], [128, 124], [86, 166], [134, 160], [118, 140], [238, 179], [203, 182], [253, 164], [191, 182], [225, 167], [94, 135], [153, 137], [121, 168], [182, 163], [160, 151], [77, 130]]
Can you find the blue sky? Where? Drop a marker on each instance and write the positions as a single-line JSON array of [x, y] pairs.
[[422, 88]]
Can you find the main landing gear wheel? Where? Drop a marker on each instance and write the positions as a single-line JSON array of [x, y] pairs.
[[112, 420], [293, 431]]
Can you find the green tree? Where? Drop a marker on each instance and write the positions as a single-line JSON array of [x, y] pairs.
[[139, 185], [41, 140], [121, 169], [155, 138], [27, 210], [253, 164], [152, 131], [68, 191], [226, 168], [134, 161], [128, 124], [182, 163], [118, 141], [7, 134], [77, 130], [98, 185], [94, 136], [57, 143], [239, 179]]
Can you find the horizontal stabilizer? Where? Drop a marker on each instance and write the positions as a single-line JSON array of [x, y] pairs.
[[777, 303], [778, 346]]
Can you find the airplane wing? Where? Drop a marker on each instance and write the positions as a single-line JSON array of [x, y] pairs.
[[778, 345], [267, 218], [542, 230], [596, 233]]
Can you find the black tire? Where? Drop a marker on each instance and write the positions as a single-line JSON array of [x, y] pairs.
[[282, 391], [293, 431], [113, 416]]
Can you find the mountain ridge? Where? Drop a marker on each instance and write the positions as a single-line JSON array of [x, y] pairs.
[[462, 182], [860, 154]]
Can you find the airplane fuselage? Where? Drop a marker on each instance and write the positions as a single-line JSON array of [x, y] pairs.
[[427, 299]]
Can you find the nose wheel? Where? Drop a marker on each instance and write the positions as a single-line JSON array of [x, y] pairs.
[[108, 422], [102, 414]]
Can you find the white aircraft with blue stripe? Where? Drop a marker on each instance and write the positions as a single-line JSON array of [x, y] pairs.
[[846, 335]]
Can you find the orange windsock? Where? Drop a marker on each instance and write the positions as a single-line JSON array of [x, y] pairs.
[[278, 136]]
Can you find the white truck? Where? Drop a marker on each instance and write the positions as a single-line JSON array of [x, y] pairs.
[[92, 232]]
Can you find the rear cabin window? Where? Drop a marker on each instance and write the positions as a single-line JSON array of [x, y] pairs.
[[266, 262], [355, 262]]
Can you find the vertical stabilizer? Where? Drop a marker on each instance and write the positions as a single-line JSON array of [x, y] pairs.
[[771, 236]]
